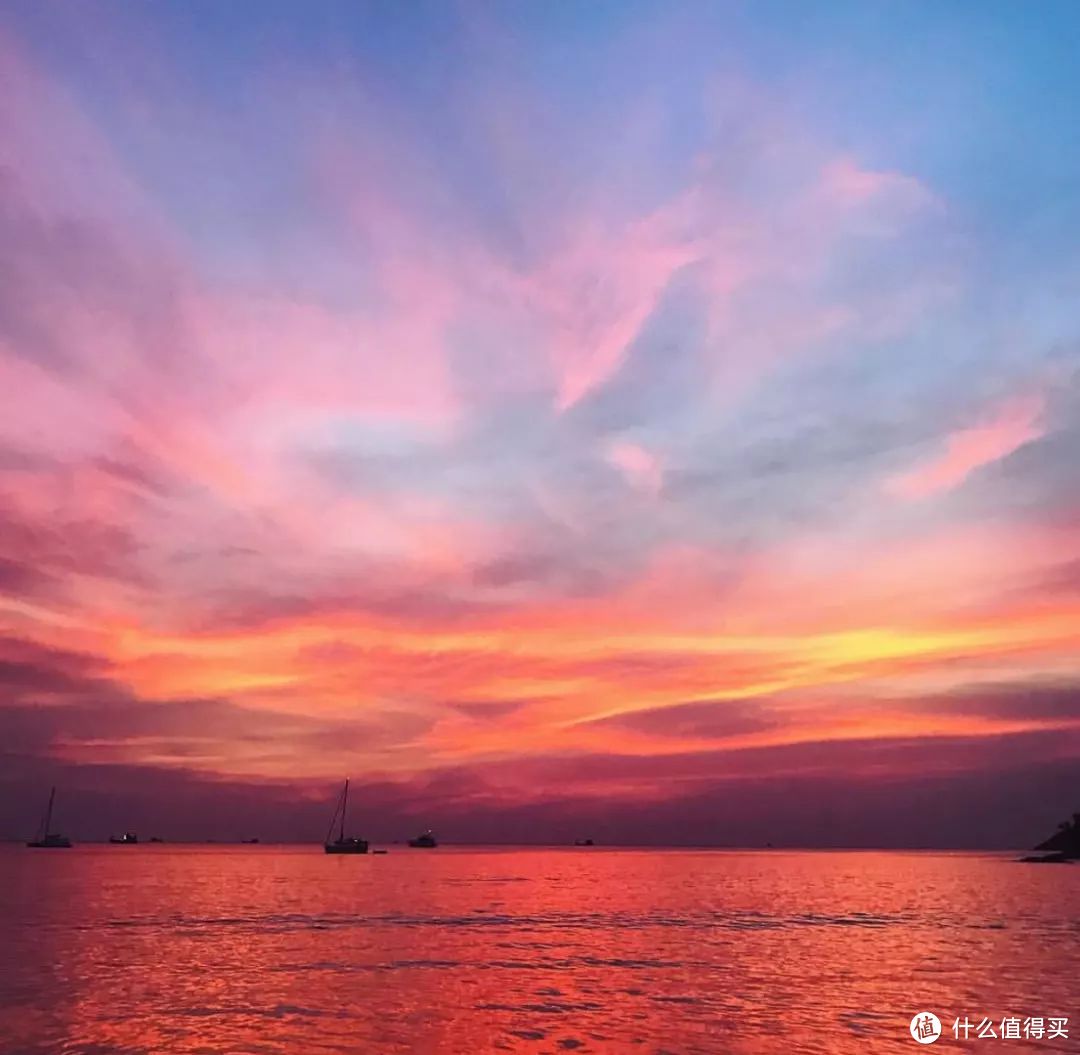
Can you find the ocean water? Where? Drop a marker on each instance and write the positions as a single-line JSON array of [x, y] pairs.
[[285, 950]]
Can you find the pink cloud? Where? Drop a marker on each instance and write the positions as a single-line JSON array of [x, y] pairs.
[[598, 294], [847, 183], [640, 467], [1009, 428]]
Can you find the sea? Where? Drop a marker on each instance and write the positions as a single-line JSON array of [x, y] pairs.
[[284, 950]]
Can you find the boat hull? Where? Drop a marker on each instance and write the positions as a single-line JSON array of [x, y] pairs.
[[50, 844], [349, 846]]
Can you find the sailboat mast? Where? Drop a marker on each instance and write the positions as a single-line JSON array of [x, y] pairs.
[[344, 805], [48, 812]]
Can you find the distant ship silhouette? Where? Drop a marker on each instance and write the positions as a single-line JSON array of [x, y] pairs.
[[127, 839], [1062, 846]]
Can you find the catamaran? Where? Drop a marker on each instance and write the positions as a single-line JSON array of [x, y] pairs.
[[46, 838], [341, 845]]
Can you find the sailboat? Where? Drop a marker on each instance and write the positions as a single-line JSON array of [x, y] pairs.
[[341, 845], [47, 839]]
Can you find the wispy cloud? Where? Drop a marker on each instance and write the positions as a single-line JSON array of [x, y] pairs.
[[968, 449]]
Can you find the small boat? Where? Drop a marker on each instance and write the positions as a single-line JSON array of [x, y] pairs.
[[127, 839], [156, 839], [47, 839], [584, 842], [426, 841], [343, 845], [249, 842]]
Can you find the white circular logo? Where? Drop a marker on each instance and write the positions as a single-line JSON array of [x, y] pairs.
[[925, 1027]]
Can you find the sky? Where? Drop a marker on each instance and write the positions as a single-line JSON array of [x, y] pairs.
[[654, 423]]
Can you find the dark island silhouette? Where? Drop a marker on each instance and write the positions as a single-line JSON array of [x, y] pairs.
[[1062, 846]]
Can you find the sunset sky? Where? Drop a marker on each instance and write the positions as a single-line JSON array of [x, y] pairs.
[[652, 422]]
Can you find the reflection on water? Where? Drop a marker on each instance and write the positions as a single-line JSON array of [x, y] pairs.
[[264, 949]]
